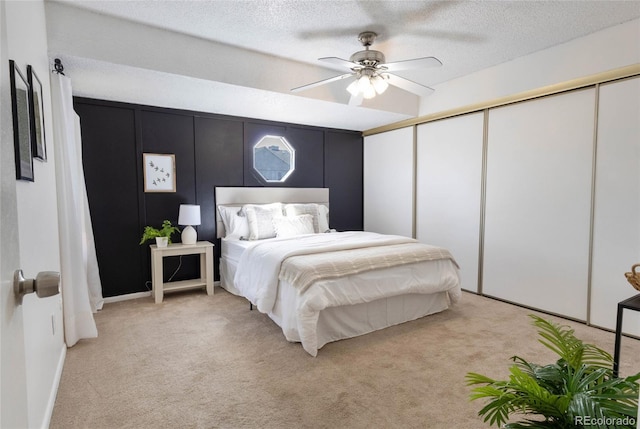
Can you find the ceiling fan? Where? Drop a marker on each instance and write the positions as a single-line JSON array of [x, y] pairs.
[[372, 74]]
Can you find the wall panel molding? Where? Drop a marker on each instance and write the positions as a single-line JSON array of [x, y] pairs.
[[211, 150]]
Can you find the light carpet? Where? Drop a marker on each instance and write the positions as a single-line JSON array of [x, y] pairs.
[[198, 361]]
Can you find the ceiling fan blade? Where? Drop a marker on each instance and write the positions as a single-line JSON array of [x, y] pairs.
[[340, 62], [321, 82], [417, 63], [356, 100], [408, 85]]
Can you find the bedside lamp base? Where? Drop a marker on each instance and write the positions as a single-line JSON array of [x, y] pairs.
[[189, 235]]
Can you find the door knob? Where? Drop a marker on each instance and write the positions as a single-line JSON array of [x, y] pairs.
[[46, 283]]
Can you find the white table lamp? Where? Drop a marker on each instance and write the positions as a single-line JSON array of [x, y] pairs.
[[189, 215]]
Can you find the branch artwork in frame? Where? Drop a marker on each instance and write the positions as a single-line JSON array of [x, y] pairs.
[[21, 128], [36, 116], [159, 172]]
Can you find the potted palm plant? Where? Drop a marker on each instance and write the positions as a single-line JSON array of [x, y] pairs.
[[161, 235], [577, 391]]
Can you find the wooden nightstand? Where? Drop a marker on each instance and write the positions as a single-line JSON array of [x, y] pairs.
[[204, 248]]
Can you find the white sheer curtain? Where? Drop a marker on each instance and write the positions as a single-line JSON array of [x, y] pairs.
[[80, 279]]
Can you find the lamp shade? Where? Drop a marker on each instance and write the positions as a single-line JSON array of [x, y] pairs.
[[379, 83], [189, 214]]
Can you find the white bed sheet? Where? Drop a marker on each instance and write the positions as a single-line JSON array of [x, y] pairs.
[[259, 269], [232, 249], [230, 252]]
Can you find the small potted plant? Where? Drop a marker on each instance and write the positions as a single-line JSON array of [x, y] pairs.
[[577, 391], [162, 235]]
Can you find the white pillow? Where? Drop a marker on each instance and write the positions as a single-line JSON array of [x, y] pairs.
[[235, 223], [260, 219], [318, 211], [323, 218], [291, 226]]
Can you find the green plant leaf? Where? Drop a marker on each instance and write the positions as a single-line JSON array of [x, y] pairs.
[[498, 410], [579, 384], [474, 378], [562, 341], [166, 230]]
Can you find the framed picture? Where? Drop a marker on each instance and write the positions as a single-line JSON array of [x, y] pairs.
[[36, 116], [21, 126], [159, 172]]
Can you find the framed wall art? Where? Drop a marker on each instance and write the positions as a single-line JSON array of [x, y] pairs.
[[159, 172], [21, 126], [36, 116]]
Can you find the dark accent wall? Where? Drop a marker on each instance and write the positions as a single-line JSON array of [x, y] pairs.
[[343, 175], [210, 150]]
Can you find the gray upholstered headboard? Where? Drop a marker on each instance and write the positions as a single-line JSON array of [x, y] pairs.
[[239, 196]]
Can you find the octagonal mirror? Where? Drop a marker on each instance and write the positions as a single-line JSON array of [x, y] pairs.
[[273, 158]]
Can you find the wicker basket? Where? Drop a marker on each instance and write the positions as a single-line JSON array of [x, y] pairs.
[[633, 277]]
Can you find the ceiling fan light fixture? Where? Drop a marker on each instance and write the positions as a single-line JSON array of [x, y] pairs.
[[369, 93], [368, 84], [372, 74], [353, 88], [364, 83], [379, 83]]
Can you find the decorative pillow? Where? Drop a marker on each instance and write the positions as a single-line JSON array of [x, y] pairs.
[[235, 224], [323, 218], [318, 211], [291, 226], [260, 219]]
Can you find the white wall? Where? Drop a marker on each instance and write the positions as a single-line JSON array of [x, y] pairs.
[[608, 49], [38, 223], [388, 182]]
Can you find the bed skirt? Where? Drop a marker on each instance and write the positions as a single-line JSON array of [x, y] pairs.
[[338, 323]]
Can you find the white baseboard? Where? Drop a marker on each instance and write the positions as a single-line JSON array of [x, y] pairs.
[[138, 295], [126, 297]]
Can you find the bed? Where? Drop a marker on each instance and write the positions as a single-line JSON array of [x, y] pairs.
[[320, 285]]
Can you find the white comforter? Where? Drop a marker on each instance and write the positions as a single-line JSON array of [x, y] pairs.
[[258, 272]]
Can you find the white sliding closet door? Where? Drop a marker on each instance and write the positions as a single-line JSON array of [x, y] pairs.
[[388, 182], [538, 202], [616, 236], [449, 187]]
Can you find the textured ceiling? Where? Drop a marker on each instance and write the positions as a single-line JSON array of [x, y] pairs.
[[466, 36]]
